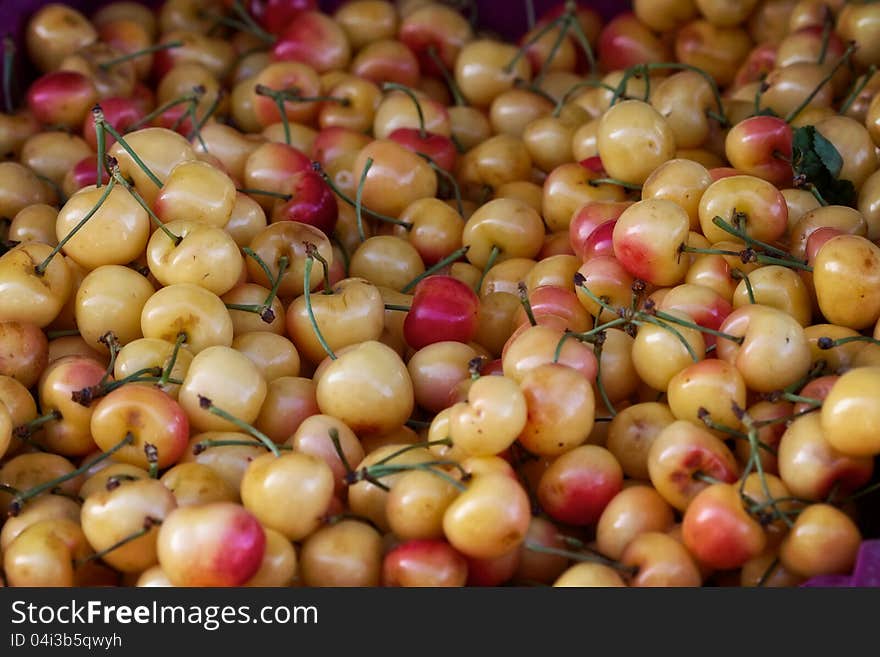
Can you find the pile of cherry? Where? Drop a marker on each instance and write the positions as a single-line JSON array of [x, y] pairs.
[[376, 298]]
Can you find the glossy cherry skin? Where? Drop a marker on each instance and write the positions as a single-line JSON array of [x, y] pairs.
[[579, 484], [61, 98], [761, 146], [588, 218], [424, 562], [119, 112], [443, 308], [439, 148], [216, 544], [312, 202], [718, 530], [626, 41]]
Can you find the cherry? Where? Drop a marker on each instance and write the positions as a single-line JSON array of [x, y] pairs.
[[443, 308]]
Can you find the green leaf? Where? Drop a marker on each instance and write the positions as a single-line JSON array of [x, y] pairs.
[[827, 153], [817, 162]]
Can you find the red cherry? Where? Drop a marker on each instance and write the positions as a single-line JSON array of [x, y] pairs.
[[424, 563], [760, 61], [439, 148], [590, 217], [599, 242], [276, 15], [443, 308], [121, 113], [625, 41], [762, 146], [61, 97], [85, 172], [594, 164], [312, 202]]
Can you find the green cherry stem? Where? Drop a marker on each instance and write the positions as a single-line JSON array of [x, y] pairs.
[[861, 493], [533, 40], [264, 310], [375, 472], [202, 445], [264, 192], [593, 335], [110, 63], [63, 333], [408, 448], [262, 90], [148, 525], [592, 557], [523, 291], [827, 26], [765, 576], [28, 429], [659, 314], [134, 156], [597, 350], [41, 268], [334, 438], [316, 166], [493, 256], [739, 232], [704, 416], [595, 182], [857, 88], [314, 253], [23, 497], [117, 176], [564, 27], [358, 204], [648, 319], [580, 282], [744, 277], [169, 366], [307, 294], [851, 48], [192, 98], [85, 396], [110, 341], [577, 31], [255, 29], [101, 139], [207, 405], [454, 90], [456, 190], [395, 86], [433, 269], [198, 124], [592, 84], [755, 459]]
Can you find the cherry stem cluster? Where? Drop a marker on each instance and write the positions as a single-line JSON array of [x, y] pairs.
[[264, 310], [644, 71]]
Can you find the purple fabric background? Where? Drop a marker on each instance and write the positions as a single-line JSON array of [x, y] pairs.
[[507, 17]]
